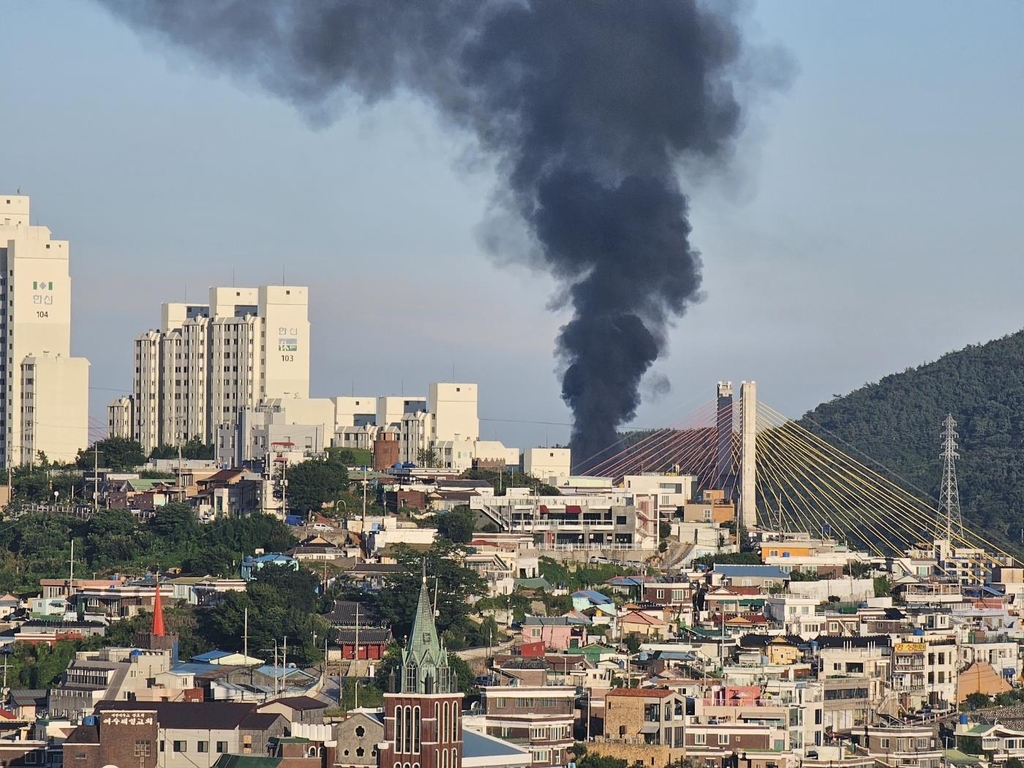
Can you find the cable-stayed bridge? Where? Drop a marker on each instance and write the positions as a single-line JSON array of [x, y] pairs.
[[788, 479]]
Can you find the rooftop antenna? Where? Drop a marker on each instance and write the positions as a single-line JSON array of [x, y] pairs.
[[950, 521]]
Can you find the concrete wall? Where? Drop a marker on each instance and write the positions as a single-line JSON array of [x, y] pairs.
[[847, 590]]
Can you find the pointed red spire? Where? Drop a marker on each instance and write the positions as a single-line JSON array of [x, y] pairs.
[[158, 614]]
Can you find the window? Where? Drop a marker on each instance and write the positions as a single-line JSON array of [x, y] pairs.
[[202, 746], [222, 747], [723, 738], [143, 748], [700, 738], [179, 746], [885, 743]]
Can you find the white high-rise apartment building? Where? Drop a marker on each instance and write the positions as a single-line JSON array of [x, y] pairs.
[[210, 361], [44, 407]]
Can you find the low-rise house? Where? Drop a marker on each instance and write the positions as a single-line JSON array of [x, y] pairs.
[[1000, 741], [51, 632], [251, 566], [9, 604], [316, 549], [297, 709], [652, 716], [765, 577], [28, 704], [558, 633], [642, 623], [498, 573], [909, 746], [228, 493], [533, 716], [110, 674], [171, 734]]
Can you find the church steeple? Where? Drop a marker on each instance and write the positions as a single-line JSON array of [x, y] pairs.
[[158, 613], [423, 718], [425, 659]]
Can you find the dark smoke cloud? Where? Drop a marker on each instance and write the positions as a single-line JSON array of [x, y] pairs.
[[587, 107]]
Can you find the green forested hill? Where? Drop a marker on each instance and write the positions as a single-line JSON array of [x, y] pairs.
[[898, 420]]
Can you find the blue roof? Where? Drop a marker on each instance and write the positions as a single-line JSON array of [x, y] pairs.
[[593, 596], [271, 671], [193, 668], [756, 571], [625, 581], [478, 745], [211, 655], [274, 558]]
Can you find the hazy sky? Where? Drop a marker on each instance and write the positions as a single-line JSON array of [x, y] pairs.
[[874, 218]]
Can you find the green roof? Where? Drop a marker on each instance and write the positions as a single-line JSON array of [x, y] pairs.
[[424, 657], [957, 757], [246, 761]]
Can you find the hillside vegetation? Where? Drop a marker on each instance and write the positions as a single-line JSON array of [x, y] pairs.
[[898, 420]]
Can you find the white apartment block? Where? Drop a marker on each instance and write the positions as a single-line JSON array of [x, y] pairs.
[[45, 405], [209, 362], [549, 465], [445, 422], [119, 419], [450, 416]]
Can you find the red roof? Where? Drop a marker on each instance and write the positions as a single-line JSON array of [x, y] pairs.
[[641, 693]]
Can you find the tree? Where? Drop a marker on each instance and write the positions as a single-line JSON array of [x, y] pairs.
[[117, 453], [455, 584], [977, 701], [174, 523], [427, 457], [195, 448], [164, 451], [315, 482], [457, 525], [882, 586], [113, 538]]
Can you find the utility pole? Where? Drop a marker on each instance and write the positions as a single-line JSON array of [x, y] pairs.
[[364, 498], [96, 478], [181, 488], [245, 643]]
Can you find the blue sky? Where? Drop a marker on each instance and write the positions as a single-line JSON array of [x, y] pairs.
[[872, 220]]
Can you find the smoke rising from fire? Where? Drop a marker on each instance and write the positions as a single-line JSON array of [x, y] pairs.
[[587, 108]]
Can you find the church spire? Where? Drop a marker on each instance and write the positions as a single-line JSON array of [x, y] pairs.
[[158, 613], [425, 659]]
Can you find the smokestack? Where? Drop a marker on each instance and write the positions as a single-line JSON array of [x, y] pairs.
[[588, 110]]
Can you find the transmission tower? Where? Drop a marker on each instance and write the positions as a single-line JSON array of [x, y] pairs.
[[950, 521]]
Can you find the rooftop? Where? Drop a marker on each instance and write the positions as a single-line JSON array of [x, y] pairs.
[[641, 693]]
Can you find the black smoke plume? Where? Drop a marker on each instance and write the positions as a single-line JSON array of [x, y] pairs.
[[589, 108]]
